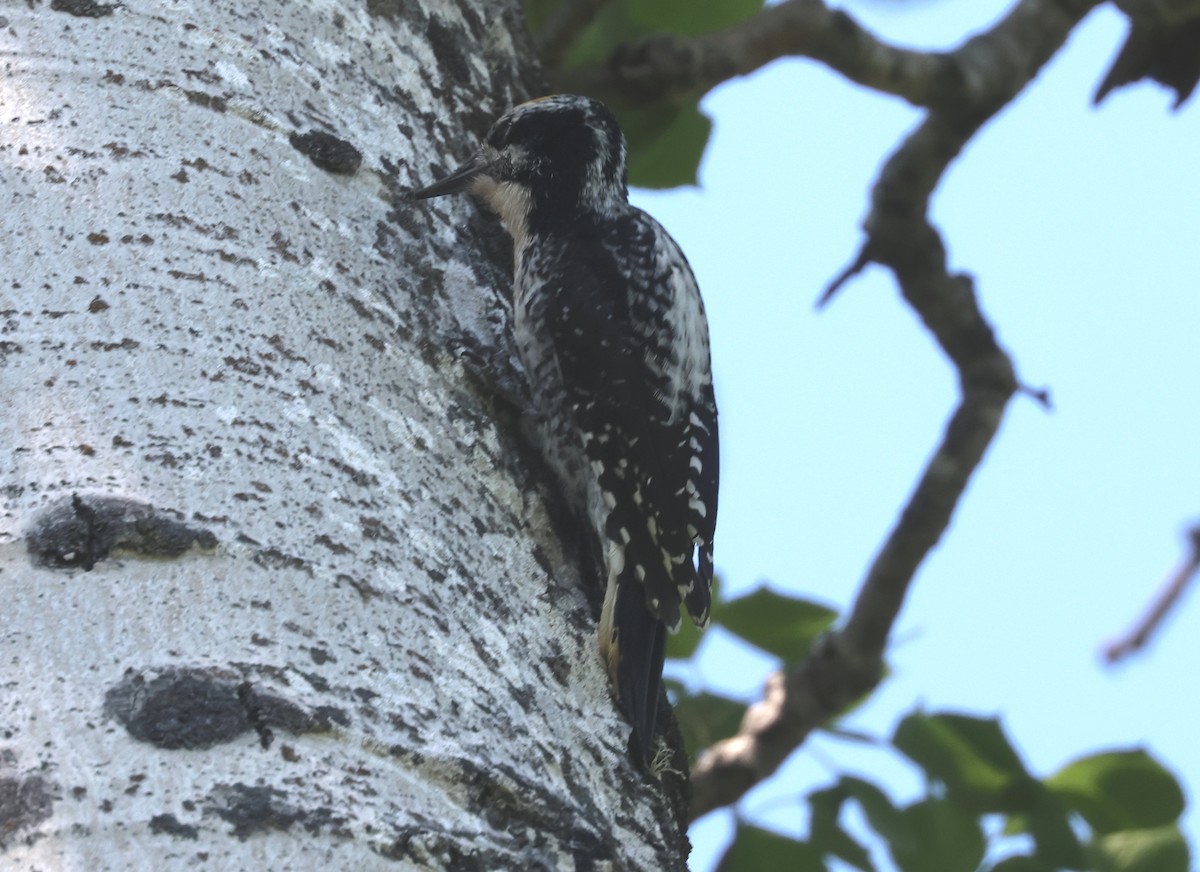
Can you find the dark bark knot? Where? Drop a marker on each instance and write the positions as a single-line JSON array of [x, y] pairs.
[[82, 531], [24, 803], [328, 152], [257, 809], [169, 825], [84, 8], [198, 708]]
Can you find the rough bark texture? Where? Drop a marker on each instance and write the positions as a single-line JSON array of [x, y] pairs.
[[278, 591]]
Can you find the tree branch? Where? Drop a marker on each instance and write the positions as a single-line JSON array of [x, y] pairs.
[[1137, 639], [1163, 44], [849, 663], [1161, 11], [666, 67]]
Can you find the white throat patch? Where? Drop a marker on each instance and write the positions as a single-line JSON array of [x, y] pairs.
[[511, 202]]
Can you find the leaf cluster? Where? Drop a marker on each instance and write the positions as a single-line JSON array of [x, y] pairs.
[[982, 809]]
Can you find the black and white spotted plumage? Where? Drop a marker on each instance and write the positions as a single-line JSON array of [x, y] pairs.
[[612, 333]]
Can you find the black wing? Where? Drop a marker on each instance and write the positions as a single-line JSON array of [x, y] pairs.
[[648, 429]]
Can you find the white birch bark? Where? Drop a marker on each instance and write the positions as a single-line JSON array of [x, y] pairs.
[[276, 590]]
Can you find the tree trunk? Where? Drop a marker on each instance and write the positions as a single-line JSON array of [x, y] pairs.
[[278, 590]]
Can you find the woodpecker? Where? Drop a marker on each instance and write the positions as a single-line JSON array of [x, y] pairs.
[[611, 330]]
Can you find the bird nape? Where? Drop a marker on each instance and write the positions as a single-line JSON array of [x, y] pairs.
[[609, 325]]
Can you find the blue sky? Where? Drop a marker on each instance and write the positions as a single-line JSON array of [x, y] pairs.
[[1079, 225]]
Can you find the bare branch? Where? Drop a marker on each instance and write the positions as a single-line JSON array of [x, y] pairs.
[[1137, 639], [848, 663], [1162, 11], [669, 67], [1163, 44]]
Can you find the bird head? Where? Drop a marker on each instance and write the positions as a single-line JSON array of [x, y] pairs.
[[545, 162]]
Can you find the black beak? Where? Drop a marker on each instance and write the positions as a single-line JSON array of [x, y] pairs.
[[458, 181]]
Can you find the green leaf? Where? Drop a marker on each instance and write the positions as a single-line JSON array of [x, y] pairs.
[[1119, 790], [677, 689], [689, 18], [611, 27], [682, 645], [945, 837], [1162, 849], [972, 757], [1050, 825], [882, 816], [781, 625], [1021, 863], [665, 144], [826, 833], [537, 11], [754, 849], [705, 718]]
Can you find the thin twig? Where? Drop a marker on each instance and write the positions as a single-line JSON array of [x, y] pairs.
[[1041, 396], [1140, 635], [860, 263]]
